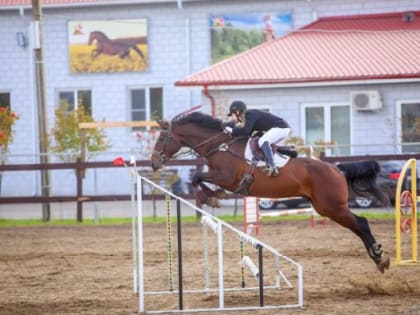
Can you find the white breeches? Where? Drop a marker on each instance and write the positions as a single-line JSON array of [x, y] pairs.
[[277, 136]]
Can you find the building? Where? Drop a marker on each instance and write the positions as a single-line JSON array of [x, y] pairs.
[[179, 42], [351, 80]]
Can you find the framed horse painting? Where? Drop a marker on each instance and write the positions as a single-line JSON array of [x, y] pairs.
[[108, 46]]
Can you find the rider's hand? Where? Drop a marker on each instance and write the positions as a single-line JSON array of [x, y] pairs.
[[227, 129]]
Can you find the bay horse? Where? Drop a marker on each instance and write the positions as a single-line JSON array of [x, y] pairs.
[[326, 185], [118, 46]]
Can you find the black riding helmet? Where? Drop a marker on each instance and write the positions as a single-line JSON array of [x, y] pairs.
[[237, 106]]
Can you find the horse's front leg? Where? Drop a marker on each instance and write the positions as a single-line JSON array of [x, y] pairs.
[[94, 53], [206, 195]]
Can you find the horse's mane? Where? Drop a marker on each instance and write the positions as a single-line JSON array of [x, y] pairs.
[[199, 118], [98, 33]]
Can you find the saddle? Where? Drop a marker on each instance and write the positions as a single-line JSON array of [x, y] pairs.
[[255, 157], [283, 150]]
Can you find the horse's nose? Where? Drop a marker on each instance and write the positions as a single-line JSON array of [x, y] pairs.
[[156, 166]]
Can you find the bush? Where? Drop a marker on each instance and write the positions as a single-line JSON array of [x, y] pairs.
[[7, 120], [67, 136]]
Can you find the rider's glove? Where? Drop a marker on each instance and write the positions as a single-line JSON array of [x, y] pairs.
[[227, 129]]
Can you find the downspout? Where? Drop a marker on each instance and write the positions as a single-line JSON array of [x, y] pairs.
[[211, 98]]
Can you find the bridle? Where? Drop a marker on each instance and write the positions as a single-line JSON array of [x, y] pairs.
[[163, 158]]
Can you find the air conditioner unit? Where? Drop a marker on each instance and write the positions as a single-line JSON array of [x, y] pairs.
[[366, 100]]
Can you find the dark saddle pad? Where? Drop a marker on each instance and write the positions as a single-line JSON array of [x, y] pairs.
[[259, 155]]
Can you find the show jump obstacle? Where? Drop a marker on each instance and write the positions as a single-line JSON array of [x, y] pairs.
[[406, 213], [220, 240], [252, 215]]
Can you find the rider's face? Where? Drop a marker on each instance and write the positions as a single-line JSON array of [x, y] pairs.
[[235, 116]]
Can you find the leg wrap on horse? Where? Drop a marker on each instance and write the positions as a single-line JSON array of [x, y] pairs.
[[376, 251], [377, 254]]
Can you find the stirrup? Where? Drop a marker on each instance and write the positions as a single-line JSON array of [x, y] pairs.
[[271, 171]]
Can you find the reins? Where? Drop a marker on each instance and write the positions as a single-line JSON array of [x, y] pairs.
[[207, 140], [224, 146]]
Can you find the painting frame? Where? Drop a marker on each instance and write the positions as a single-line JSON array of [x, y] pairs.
[[108, 45], [231, 34]]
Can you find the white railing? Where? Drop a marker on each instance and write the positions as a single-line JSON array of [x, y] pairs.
[[220, 229]]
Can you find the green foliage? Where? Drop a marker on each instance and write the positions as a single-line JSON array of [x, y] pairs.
[[228, 42], [67, 135], [310, 150], [7, 120], [4, 223]]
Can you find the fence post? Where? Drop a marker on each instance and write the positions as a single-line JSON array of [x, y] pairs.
[[79, 176]]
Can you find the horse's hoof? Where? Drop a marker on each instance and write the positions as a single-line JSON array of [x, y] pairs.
[[213, 202], [221, 194], [383, 264]]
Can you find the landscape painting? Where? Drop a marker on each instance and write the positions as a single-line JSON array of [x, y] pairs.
[[232, 34], [108, 46]]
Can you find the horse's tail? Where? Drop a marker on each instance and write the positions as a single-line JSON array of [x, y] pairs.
[[361, 178]]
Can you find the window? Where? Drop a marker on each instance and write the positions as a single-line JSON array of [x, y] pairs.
[[4, 99], [410, 126], [328, 123], [146, 104], [71, 99]]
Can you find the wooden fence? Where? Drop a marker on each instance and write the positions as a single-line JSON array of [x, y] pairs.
[[80, 168]]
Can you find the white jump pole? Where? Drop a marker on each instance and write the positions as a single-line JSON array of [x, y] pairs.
[[140, 244], [133, 232], [218, 230], [220, 263]]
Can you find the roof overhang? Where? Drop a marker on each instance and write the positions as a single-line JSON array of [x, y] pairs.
[[89, 3], [300, 84]]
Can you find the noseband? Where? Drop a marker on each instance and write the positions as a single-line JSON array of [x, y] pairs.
[[163, 158]]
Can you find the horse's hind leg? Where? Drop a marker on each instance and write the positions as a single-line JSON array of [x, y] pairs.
[[374, 249], [360, 226]]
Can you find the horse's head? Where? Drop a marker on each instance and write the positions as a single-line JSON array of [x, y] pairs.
[[92, 37], [166, 145], [195, 130], [97, 35]]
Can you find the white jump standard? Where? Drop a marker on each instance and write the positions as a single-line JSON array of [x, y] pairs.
[[220, 228]]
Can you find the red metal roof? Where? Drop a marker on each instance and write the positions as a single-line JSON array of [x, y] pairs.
[[7, 4], [17, 3], [362, 47]]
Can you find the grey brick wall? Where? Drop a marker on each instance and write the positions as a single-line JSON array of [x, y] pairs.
[[179, 44]]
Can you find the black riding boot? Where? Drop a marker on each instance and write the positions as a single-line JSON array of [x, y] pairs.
[[271, 168]]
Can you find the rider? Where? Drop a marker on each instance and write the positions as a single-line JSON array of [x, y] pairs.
[[276, 130]]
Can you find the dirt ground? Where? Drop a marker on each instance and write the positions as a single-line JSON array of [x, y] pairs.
[[88, 270]]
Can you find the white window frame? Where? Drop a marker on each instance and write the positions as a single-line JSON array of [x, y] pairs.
[[327, 116], [147, 100], [75, 92], [10, 97], [398, 125]]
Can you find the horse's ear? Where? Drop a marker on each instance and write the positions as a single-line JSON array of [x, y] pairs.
[[163, 124]]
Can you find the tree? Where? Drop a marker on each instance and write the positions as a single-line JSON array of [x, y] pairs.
[[67, 137], [7, 120]]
